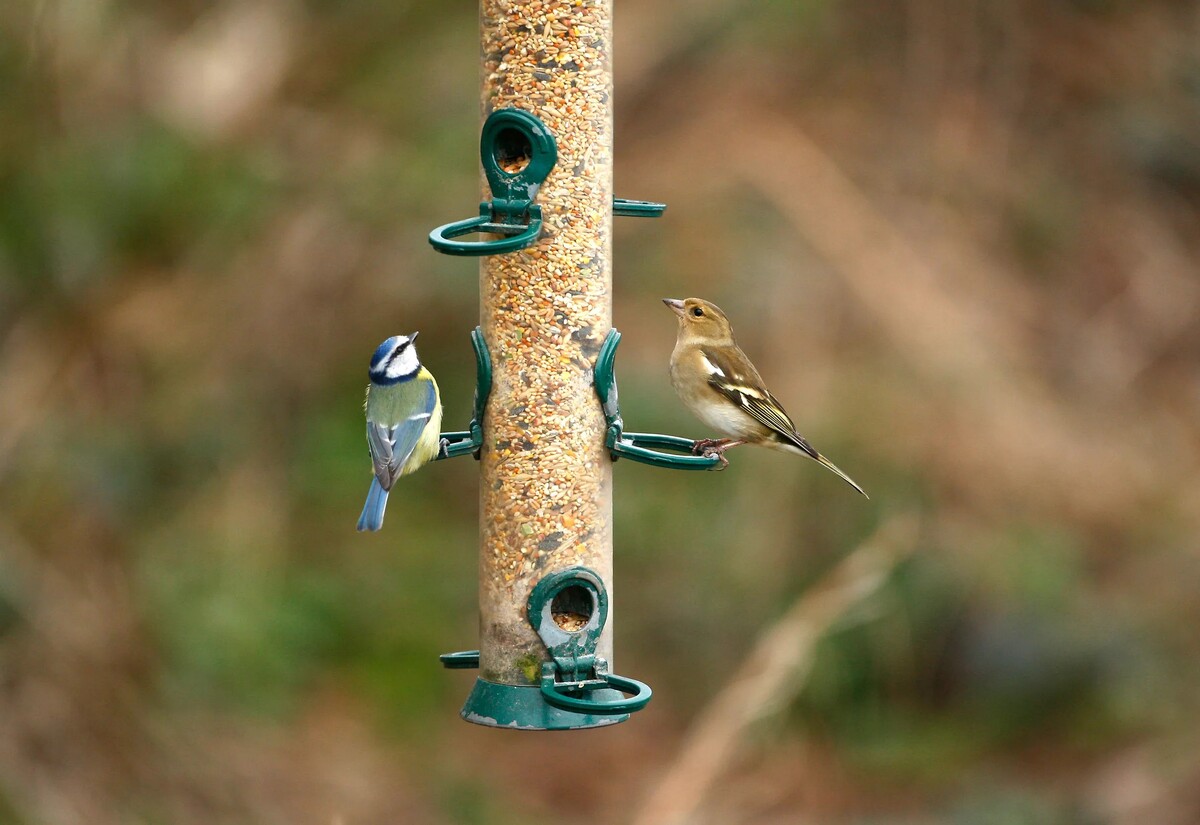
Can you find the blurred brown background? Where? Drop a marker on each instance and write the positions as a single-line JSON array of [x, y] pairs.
[[959, 237]]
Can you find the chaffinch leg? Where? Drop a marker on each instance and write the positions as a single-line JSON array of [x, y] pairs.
[[709, 447]]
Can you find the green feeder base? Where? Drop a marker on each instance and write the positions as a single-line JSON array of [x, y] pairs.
[[522, 707]]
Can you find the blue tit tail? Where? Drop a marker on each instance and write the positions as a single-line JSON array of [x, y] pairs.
[[372, 514]]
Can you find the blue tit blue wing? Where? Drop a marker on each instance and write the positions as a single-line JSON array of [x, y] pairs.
[[391, 446], [407, 433]]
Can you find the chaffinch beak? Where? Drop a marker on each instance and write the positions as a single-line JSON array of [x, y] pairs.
[[675, 304]]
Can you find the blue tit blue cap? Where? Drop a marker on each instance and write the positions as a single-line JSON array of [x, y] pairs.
[[384, 350]]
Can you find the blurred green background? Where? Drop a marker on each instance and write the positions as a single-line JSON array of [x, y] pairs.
[[960, 239]]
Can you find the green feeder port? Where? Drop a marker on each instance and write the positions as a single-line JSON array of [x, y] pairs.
[[517, 152], [568, 609]]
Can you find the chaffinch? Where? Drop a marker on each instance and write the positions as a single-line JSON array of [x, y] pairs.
[[717, 382]]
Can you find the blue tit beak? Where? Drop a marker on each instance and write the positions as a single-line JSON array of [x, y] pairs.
[[413, 337], [675, 304]]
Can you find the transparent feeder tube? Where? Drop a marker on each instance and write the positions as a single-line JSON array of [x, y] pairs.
[[546, 484]]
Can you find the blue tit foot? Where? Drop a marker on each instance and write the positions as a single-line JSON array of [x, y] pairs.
[[444, 448]]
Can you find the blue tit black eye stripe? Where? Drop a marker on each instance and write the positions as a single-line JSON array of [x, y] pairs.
[[399, 351]]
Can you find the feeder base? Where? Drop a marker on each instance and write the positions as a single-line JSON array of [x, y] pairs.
[[521, 707]]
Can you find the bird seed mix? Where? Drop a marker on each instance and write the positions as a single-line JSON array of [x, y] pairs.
[[546, 494]]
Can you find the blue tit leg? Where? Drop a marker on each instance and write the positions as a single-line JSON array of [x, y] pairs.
[[372, 514]]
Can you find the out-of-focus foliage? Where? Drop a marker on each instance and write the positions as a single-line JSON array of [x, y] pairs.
[[961, 240]]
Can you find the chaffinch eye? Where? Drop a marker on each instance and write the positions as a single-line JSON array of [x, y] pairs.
[[697, 311]]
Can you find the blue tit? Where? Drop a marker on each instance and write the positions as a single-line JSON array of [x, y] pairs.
[[717, 382], [404, 421]]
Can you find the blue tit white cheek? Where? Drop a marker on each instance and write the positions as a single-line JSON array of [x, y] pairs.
[[406, 363], [395, 360]]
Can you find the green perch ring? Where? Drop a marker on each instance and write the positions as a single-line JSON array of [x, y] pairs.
[[639, 447]]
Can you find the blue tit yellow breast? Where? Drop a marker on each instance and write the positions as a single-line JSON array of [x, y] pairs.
[[428, 445]]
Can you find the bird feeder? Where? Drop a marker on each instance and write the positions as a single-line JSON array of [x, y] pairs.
[[547, 426]]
